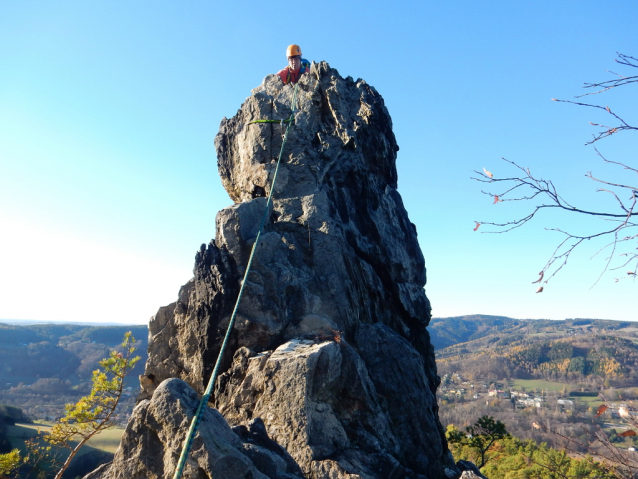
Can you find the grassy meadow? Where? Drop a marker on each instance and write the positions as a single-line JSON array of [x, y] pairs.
[[531, 385], [106, 441]]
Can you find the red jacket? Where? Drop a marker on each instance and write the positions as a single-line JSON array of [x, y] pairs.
[[289, 76]]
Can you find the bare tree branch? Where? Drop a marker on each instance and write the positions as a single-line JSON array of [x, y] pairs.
[[543, 195], [601, 87], [620, 81]]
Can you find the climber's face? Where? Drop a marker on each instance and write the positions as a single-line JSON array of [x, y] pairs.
[[294, 62]]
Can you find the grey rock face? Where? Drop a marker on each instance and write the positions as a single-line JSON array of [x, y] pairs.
[[154, 436], [469, 470], [321, 404], [338, 273]]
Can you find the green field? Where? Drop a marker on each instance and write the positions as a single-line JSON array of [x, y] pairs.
[[107, 441], [531, 385], [21, 432], [589, 401]]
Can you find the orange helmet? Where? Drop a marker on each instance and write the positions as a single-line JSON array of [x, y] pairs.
[[293, 50]]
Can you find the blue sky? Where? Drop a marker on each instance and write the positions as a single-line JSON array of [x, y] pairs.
[[108, 113]]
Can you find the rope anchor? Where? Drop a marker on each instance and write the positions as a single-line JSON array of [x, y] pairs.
[[281, 122]]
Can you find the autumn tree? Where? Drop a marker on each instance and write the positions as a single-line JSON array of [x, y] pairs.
[[86, 418], [92, 414], [9, 462], [618, 231], [612, 460]]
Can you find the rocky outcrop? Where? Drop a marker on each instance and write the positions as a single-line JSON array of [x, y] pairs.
[[469, 470], [330, 348], [154, 436], [328, 405]]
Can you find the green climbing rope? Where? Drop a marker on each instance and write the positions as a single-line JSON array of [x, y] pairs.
[[211, 382], [271, 121]]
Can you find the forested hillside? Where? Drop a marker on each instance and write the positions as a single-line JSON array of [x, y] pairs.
[[446, 332], [571, 351], [44, 366]]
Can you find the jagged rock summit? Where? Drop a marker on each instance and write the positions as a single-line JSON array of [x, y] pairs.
[[330, 372]]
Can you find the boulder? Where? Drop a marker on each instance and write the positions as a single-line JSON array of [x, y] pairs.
[[321, 404], [153, 439]]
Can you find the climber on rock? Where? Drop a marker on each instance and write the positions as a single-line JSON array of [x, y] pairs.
[[297, 66]]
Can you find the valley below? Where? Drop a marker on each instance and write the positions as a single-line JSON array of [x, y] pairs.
[[544, 380]]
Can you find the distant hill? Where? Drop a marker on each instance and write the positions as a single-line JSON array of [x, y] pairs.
[[446, 332], [27, 322], [569, 350], [44, 366]]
